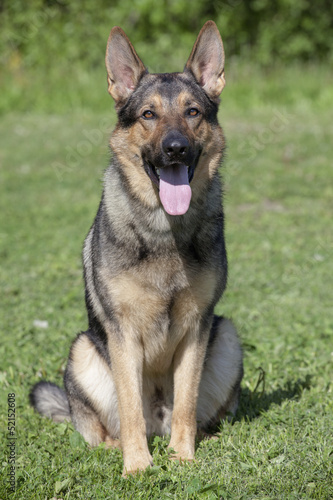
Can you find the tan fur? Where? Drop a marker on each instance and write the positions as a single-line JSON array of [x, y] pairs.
[[135, 304], [125, 144], [127, 367], [187, 374]]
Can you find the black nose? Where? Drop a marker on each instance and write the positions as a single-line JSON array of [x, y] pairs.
[[175, 146]]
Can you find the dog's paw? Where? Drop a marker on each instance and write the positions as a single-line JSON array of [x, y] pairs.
[[181, 452], [134, 465]]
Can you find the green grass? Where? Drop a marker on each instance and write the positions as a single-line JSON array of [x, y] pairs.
[[278, 200]]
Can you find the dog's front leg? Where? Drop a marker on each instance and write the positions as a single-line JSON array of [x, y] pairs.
[[127, 362], [188, 364]]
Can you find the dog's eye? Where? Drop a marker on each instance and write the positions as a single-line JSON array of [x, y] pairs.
[[148, 115], [193, 112]]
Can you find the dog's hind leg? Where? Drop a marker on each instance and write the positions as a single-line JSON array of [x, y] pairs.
[[91, 394], [222, 373]]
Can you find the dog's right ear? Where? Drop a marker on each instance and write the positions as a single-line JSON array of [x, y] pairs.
[[124, 67]]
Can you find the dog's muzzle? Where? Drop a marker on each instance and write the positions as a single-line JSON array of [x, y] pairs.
[[174, 173]]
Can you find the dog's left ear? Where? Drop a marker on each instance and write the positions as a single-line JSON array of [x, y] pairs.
[[124, 67], [206, 61]]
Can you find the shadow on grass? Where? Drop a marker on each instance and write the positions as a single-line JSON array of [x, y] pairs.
[[253, 403]]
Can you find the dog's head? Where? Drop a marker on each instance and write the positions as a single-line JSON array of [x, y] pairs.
[[168, 122]]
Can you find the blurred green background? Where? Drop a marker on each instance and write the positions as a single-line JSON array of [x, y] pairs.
[[52, 52]]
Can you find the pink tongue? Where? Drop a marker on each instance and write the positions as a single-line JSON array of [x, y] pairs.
[[175, 191]]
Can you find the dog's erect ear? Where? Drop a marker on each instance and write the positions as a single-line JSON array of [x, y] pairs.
[[206, 61], [124, 67]]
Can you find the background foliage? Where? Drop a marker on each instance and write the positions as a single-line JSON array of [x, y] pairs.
[[43, 30], [61, 42]]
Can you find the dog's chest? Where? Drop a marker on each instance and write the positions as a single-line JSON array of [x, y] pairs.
[[161, 302]]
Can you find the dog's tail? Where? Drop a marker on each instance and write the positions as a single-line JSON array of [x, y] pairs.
[[51, 401]]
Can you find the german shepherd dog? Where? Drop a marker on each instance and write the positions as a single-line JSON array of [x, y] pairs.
[[155, 359]]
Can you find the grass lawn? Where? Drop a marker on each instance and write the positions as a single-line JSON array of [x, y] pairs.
[[278, 201]]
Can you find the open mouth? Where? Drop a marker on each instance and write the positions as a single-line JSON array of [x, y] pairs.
[[173, 182], [155, 172]]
